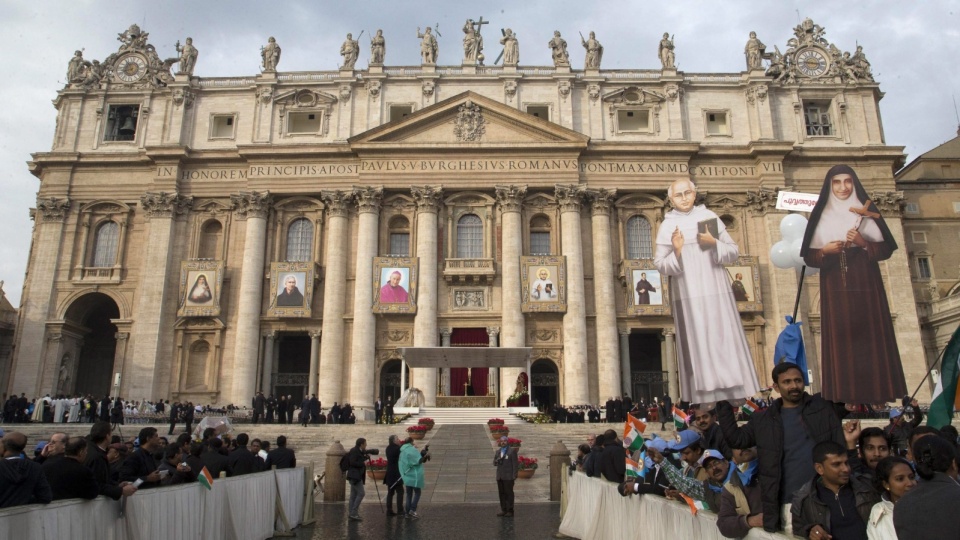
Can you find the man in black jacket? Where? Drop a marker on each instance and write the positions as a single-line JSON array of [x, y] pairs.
[[68, 477], [214, 460], [174, 414], [141, 465], [305, 411], [281, 457], [613, 464], [389, 410], [96, 461], [357, 476], [21, 480], [315, 409], [392, 479], [242, 461], [784, 435], [188, 412], [258, 405], [705, 422]]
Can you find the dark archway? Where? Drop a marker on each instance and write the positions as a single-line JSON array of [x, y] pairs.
[[390, 380], [93, 313], [648, 380], [544, 383], [293, 367]]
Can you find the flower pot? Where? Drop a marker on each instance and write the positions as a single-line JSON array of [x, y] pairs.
[[377, 475], [416, 435], [526, 473]]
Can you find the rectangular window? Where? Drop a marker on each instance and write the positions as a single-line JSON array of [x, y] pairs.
[[912, 208], [923, 267], [222, 126], [816, 114], [540, 111], [633, 120], [540, 243], [400, 244], [399, 112], [303, 122], [717, 123], [919, 237], [121, 123]]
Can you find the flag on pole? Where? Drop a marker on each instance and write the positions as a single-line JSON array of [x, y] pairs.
[[694, 504], [945, 394], [749, 408], [789, 348], [679, 418], [205, 479], [633, 433], [634, 469]]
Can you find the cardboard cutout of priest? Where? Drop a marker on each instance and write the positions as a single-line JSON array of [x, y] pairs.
[[845, 238], [712, 351]]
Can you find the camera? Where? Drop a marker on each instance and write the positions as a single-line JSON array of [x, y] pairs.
[[371, 452], [423, 454]]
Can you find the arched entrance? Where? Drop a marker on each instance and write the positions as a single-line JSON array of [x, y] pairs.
[[544, 384], [390, 380], [91, 315]]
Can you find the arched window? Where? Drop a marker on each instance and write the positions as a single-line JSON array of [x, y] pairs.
[[540, 235], [299, 240], [399, 237], [639, 238], [210, 234], [197, 365], [470, 237], [105, 245]]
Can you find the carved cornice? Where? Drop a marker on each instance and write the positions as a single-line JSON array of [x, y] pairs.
[[510, 197], [337, 202], [763, 200], [890, 203], [53, 208], [427, 198], [164, 204], [601, 200], [368, 199], [569, 197], [253, 204]]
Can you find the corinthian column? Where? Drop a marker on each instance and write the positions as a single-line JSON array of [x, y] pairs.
[[669, 364], [608, 355], [253, 208], [512, 328], [314, 362], [576, 383], [364, 346], [425, 322], [493, 375], [267, 378], [334, 297]]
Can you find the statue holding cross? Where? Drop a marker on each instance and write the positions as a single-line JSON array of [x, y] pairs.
[[473, 41]]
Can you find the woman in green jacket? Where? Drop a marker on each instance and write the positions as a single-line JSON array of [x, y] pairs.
[[411, 471]]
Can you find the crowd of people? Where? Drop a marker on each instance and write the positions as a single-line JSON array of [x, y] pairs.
[[799, 466], [404, 479], [102, 463]]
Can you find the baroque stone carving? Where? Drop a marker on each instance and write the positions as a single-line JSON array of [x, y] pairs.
[[350, 51], [427, 197], [511, 48], [270, 55], [396, 336], [755, 52], [543, 334], [368, 198], [373, 88], [53, 208], [469, 299], [345, 92], [564, 88], [378, 49], [569, 197], [188, 57], [810, 57], [472, 41], [594, 51], [429, 49], [183, 96], [510, 88], [265, 94], [668, 59], [601, 200], [136, 64], [593, 91], [510, 197], [890, 203], [757, 92], [558, 50], [674, 92], [252, 204], [469, 125], [763, 200], [428, 88], [336, 201], [165, 204]]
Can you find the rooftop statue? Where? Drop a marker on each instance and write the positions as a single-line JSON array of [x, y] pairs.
[[350, 51], [665, 52], [594, 51], [270, 55], [473, 41], [754, 51], [511, 48], [558, 50], [188, 56], [378, 49], [428, 46]]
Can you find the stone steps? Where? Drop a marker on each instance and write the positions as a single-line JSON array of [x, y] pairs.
[[464, 416]]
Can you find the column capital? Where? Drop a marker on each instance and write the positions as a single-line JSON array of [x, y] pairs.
[[667, 332], [315, 334], [271, 335], [569, 197], [251, 204], [368, 198], [122, 336], [165, 204], [337, 202], [510, 197], [601, 200], [624, 333], [53, 208], [446, 332], [427, 198], [493, 331]]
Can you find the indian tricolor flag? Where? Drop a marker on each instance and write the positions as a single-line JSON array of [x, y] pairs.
[[679, 418], [694, 504], [749, 408], [205, 479], [634, 469], [945, 394], [633, 434]]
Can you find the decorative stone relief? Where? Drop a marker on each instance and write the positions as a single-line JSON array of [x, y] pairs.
[[569, 197], [469, 125], [890, 203], [810, 57], [265, 94], [510, 88], [373, 88], [601, 200], [53, 208], [754, 93], [553, 354], [428, 88], [368, 198], [252, 204], [564, 88], [510, 197], [470, 299], [674, 92], [395, 336], [165, 204], [763, 200], [544, 334], [345, 92], [427, 197], [336, 201], [593, 91], [183, 96]]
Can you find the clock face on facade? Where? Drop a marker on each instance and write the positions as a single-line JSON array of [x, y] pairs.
[[131, 68], [811, 62]]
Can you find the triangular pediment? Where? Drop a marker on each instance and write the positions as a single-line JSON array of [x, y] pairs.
[[469, 120]]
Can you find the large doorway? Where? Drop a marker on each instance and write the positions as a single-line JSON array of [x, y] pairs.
[[390, 381], [93, 313], [544, 384], [469, 381], [293, 367], [648, 380]]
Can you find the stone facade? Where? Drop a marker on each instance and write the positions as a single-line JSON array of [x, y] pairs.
[[467, 169]]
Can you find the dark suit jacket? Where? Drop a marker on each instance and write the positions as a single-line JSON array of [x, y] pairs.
[[923, 512], [393, 464], [98, 465], [507, 467], [70, 479], [613, 463], [242, 461], [139, 464], [215, 462], [281, 457]]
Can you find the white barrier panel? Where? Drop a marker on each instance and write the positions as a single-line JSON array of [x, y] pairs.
[[241, 508], [596, 511]]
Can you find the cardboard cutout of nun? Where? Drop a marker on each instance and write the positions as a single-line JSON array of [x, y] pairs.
[[845, 238], [712, 351]]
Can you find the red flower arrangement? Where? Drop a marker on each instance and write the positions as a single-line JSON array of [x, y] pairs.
[[378, 464], [515, 443], [425, 421], [498, 427], [495, 421], [419, 428], [526, 463]]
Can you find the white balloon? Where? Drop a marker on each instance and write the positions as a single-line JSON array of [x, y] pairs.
[[792, 226], [795, 246], [780, 255]]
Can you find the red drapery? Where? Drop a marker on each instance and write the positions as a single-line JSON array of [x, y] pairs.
[[469, 337]]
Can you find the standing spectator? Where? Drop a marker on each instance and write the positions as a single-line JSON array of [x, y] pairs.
[[53, 449], [898, 430], [141, 465], [835, 504], [289, 408], [305, 411], [704, 421], [281, 457], [192, 457], [784, 435], [613, 463], [177, 471], [741, 506], [105, 409], [357, 476], [315, 408], [68, 477], [21, 480], [666, 411], [591, 464], [214, 460], [335, 413], [271, 408], [411, 470], [929, 510], [378, 409], [98, 462], [188, 411], [873, 446], [507, 469], [258, 405], [242, 461], [282, 410], [894, 478], [392, 478], [389, 410]]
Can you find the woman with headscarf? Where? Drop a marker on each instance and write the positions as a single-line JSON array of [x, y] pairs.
[[846, 238], [200, 292]]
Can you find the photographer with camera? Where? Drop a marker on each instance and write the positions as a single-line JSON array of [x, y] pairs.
[[411, 471], [508, 466], [357, 475]]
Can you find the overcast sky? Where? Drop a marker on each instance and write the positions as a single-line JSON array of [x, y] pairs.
[[914, 48]]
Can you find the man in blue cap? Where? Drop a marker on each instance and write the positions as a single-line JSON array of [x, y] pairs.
[[655, 481], [687, 443], [899, 429]]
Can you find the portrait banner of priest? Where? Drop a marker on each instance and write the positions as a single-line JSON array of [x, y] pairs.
[[291, 285], [846, 238], [744, 279], [543, 284], [647, 290], [395, 286], [200, 283], [712, 351]]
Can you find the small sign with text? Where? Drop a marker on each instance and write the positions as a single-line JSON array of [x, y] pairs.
[[797, 202]]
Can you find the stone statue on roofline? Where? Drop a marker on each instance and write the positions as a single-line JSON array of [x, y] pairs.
[[270, 53]]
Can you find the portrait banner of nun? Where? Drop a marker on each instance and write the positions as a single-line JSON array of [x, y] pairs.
[[200, 283], [395, 284], [292, 289], [846, 237]]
